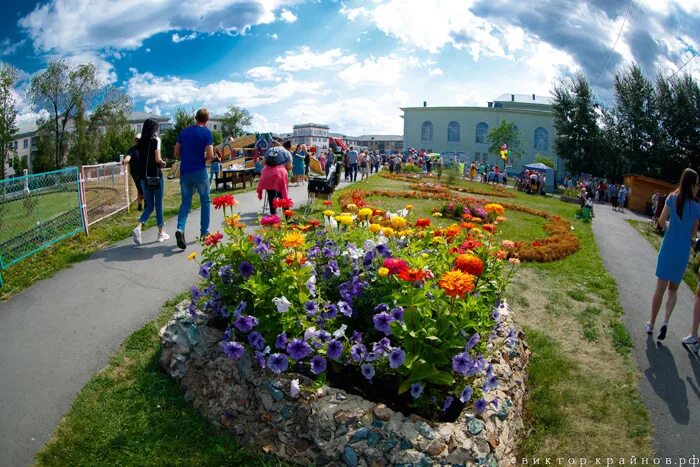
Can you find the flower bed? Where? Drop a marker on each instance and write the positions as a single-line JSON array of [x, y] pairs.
[[417, 183]]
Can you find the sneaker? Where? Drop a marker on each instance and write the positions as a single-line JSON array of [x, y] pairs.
[[162, 237], [690, 340], [180, 238], [139, 208], [137, 236], [650, 328], [662, 332]]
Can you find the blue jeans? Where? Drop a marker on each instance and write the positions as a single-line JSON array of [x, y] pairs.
[[214, 170], [153, 196], [188, 184], [353, 171]]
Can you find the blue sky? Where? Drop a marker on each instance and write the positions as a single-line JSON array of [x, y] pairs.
[[348, 64]]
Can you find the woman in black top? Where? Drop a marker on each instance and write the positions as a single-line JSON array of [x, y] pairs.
[[151, 179]]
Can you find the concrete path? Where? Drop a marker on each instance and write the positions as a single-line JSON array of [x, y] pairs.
[[670, 374], [55, 335]]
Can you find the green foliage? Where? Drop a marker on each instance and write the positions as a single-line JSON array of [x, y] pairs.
[[116, 140], [8, 114], [452, 174], [19, 164], [182, 119], [544, 160], [505, 133], [235, 121], [217, 137], [73, 93]]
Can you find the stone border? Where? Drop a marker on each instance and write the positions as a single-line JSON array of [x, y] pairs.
[[329, 426]]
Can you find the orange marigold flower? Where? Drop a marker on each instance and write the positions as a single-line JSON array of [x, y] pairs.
[[493, 208], [489, 227], [328, 202], [501, 219], [456, 283], [469, 263], [452, 230], [500, 254], [476, 220], [296, 257], [471, 244], [213, 239], [412, 275], [423, 222], [469, 225], [293, 240]]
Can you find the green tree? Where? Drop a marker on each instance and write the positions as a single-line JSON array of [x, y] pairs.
[[575, 120], [544, 160], [217, 137], [641, 144], [43, 155], [235, 121], [117, 140], [68, 92], [8, 114], [181, 120], [505, 133], [19, 164]]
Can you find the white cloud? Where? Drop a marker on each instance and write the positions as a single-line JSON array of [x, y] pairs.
[[436, 72], [263, 73], [105, 70], [7, 47], [288, 16], [176, 38], [353, 13], [274, 36], [304, 58], [378, 71]]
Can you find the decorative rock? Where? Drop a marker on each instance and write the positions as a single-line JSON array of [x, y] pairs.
[[374, 438], [266, 400], [340, 397], [350, 456], [342, 430], [382, 412], [286, 413], [475, 426], [503, 413], [359, 435], [425, 430], [389, 445], [405, 444], [276, 394], [377, 423], [435, 447]]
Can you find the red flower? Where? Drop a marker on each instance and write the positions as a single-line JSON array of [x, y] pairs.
[[423, 222], [469, 263], [395, 265], [328, 202], [284, 203], [213, 239], [314, 223], [471, 244], [269, 220], [288, 213], [223, 201], [412, 275], [489, 227]]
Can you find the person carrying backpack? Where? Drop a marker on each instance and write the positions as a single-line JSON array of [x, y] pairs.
[[274, 177]]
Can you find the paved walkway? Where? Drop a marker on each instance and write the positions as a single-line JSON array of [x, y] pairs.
[[55, 335], [670, 374]]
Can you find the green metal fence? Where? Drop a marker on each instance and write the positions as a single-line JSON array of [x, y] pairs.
[[37, 211]]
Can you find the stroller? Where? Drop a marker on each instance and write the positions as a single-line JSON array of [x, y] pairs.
[[323, 187]]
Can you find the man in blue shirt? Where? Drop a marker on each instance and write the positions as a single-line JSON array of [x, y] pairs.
[[194, 148], [352, 163]]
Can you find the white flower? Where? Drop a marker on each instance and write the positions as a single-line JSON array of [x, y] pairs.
[[369, 245], [309, 333], [340, 332], [294, 388], [403, 212], [354, 252], [281, 303]]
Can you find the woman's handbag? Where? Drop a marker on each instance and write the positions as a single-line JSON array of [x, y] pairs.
[[152, 182]]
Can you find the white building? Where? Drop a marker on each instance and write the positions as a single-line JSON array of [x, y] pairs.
[[462, 131], [214, 123], [311, 134]]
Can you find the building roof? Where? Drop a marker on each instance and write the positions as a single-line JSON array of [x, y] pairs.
[[316, 125], [524, 99], [26, 129], [379, 138], [140, 117]]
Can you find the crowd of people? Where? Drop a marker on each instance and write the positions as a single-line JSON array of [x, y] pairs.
[[615, 194]]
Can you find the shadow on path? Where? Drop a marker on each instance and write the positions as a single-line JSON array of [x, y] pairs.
[[664, 379]]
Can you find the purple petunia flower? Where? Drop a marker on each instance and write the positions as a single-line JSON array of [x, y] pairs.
[[333, 268], [396, 358], [313, 252], [318, 365], [246, 269], [382, 346], [397, 313], [196, 293], [480, 405], [381, 322], [356, 336], [358, 352], [232, 349], [225, 273], [473, 341], [281, 341], [311, 307], [345, 308], [260, 359], [490, 384], [495, 315], [367, 371], [205, 269], [369, 257], [332, 311], [311, 285], [256, 340], [329, 252], [466, 395], [416, 390], [383, 250], [245, 323], [323, 336], [512, 338], [381, 307], [448, 402], [371, 356], [334, 349], [277, 362], [298, 349], [239, 309], [227, 333], [462, 363], [192, 309]]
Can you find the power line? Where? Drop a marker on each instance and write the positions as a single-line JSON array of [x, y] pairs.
[[678, 70], [629, 7]]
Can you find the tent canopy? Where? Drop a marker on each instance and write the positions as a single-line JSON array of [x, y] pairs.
[[540, 167]]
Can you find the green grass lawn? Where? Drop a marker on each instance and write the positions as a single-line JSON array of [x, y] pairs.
[[581, 398], [690, 277], [24, 214], [79, 247]]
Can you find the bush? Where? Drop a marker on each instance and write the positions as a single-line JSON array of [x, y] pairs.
[[368, 297]]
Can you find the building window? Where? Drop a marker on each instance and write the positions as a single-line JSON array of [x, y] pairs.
[[25, 143], [426, 131], [453, 132], [482, 130], [541, 139], [214, 127]]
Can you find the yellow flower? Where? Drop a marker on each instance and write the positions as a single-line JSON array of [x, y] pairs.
[[388, 232], [437, 214], [493, 208], [421, 233], [328, 213], [192, 255], [375, 228], [439, 240], [425, 255], [344, 219], [398, 222], [351, 207], [365, 213], [409, 206], [293, 240], [405, 233], [383, 272]]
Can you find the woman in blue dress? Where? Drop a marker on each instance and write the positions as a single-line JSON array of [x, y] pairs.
[[298, 163], [682, 212]]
